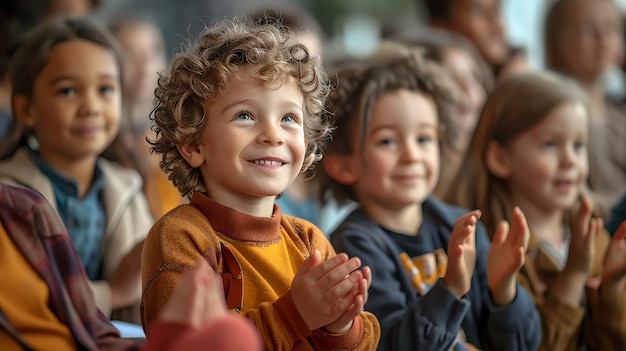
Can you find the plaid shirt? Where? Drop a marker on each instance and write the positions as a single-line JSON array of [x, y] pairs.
[[37, 231]]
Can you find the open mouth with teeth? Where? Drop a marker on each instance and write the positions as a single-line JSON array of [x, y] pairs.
[[267, 163]]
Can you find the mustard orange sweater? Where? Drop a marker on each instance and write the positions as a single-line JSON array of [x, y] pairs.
[[258, 258]]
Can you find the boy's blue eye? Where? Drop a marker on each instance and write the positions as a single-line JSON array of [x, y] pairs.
[[289, 119], [386, 141], [243, 116], [579, 145], [549, 144]]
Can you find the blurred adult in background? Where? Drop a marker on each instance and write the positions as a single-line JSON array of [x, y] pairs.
[[583, 39], [481, 22], [144, 55]]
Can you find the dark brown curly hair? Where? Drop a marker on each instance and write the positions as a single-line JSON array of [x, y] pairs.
[[204, 68]]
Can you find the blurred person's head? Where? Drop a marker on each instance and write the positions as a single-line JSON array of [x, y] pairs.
[[61, 8], [309, 31], [143, 49], [478, 20], [583, 38], [466, 66]]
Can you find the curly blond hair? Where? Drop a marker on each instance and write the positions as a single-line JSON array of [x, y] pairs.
[[201, 73]]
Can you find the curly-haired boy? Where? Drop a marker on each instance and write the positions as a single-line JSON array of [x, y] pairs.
[[238, 117]]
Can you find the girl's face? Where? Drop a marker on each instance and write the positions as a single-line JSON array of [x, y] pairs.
[[547, 164], [398, 164], [591, 38], [74, 109], [464, 71]]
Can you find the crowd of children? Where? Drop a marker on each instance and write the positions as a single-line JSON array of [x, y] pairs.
[[485, 200]]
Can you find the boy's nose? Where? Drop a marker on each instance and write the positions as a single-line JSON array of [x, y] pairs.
[[270, 135]]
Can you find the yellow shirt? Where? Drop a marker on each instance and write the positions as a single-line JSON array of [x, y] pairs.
[[24, 299]]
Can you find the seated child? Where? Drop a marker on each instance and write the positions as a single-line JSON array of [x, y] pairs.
[[439, 284], [67, 87], [237, 120], [535, 156]]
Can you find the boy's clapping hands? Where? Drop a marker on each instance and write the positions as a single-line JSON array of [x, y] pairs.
[[330, 293]]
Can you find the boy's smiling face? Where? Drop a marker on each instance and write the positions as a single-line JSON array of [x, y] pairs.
[[398, 165], [253, 140]]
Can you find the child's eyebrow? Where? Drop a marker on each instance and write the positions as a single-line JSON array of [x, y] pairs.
[[71, 77], [397, 125]]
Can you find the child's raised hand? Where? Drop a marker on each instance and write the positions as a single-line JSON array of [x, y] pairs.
[[583, 241], [462, 254], [323, 291], [344, 322], [614, 270], [506, 257], [198, 299]]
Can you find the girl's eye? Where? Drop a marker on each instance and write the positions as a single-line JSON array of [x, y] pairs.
[[67, 91], [579, 145], [244, 116], [549, 144], [386, 141], [107, 90], [424, 139]]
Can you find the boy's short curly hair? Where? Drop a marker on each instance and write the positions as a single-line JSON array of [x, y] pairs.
[[201, 73], [357, 86]]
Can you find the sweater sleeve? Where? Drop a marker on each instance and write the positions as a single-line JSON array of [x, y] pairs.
[[428, 323], [171, 247], [560, 323], [512, 327]]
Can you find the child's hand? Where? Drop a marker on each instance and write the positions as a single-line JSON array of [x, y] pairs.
[[614, 271], [569, 285], [198, 298], [462, 254], [583, 241], [127, 279], [344, 322], [323, 291], [506, 257]]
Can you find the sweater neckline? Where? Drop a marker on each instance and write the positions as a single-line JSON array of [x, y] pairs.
[[237, 225]]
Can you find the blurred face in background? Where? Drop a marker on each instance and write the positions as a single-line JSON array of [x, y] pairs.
[[464, 70], [480, 22], [590, 39], [68, 8], [144, 54]]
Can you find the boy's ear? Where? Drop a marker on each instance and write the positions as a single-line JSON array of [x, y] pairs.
[[21, 108], [339, 168], [192, 153], [497, 160]]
